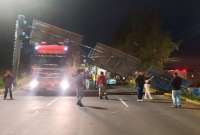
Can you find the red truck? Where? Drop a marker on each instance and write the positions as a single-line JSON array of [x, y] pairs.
[[50, 68]]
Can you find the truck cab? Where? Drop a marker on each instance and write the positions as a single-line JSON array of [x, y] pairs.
[[50, 68]]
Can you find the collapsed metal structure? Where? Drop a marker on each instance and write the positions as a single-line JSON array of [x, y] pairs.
[[113, 60]]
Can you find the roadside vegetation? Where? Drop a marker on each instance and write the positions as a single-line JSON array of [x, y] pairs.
[[142, 36], [188, 94], [1, 83]]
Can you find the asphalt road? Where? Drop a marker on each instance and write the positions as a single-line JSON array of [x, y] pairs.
[[120, 115]]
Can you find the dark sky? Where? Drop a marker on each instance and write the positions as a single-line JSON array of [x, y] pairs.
[[98, 20]]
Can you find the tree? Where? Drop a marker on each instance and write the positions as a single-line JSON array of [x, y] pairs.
[[142, 37]]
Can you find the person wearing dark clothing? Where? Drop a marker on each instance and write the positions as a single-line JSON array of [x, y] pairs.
[[140, 80], [176, 90], [80, 82], [8, 80]]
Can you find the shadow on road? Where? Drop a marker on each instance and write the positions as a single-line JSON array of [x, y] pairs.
[[190, 107], [87, 93], [59, 93], [159, 101], [97, 107], [115, 99], [121, 93]]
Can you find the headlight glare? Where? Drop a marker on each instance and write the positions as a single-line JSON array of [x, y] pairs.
[[64, 84], [33, 84]]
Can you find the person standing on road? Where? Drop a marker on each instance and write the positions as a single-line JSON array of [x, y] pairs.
[[176, 90], [147, 87], [80, 82], [101, 83], [140, 85], [8, 80], [87, 80]]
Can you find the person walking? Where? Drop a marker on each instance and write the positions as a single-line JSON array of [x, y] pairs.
[[176, 90], [8, 80], [80, 82], [147, 87], [101, 83], [140, 85]]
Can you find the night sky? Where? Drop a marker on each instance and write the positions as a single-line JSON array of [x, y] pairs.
[[98, 20]]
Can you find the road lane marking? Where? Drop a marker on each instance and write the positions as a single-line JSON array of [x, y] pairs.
[[39, 109], [123, 102], [51, 102]]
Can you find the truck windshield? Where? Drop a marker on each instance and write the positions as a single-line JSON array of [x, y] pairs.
[[49, 60]]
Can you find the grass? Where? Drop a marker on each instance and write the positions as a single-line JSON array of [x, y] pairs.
[[1, 83], [187, 94], [191, 96], [195, 98], [129, 86]]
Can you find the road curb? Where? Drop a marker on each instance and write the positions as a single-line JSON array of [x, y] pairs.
[[185, 99]]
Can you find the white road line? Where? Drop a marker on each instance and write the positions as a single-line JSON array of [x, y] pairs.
[[123, 102], [51, 102]]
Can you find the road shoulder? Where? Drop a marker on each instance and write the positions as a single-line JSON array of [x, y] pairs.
[[185, 99]]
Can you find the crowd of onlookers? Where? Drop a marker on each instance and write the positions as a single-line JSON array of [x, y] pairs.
[[142, 84]]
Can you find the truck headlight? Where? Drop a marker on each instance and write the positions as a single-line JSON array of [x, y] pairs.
[[64, 84], [33, 84]]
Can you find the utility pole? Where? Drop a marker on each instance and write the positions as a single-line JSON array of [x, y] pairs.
[[19, 33]]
